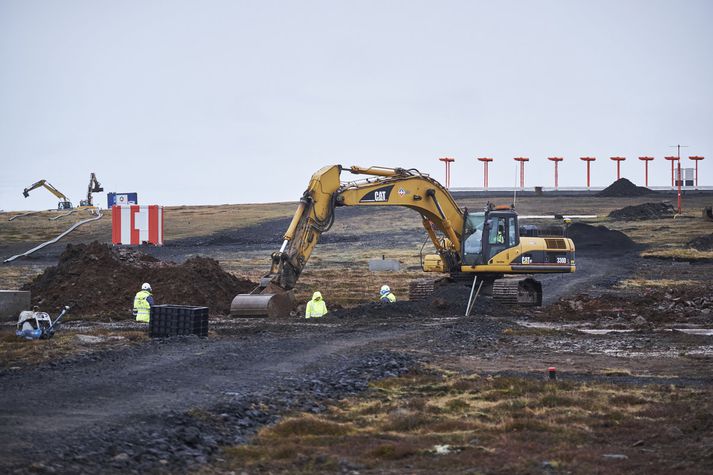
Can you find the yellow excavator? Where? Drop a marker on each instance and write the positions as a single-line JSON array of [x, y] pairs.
[[485, 244], [64, 202]]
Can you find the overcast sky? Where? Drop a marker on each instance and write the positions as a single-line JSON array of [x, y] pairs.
[[209, 102]]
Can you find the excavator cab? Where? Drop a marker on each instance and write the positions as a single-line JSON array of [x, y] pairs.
[[487, 233]]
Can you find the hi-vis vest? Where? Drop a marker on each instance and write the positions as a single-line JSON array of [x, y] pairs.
[[391, 298], [142, 308]]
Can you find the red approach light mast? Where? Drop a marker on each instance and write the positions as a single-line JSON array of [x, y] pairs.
[[589, 161], [556, 160], [646, 161], [486, 161], [696, 158], [618, 161], [522, 161], [672, 159], [448, 161]]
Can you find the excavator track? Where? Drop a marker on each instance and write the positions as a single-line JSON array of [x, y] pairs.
[[524, 291]]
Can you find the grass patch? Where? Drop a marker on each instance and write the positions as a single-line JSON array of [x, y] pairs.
[[493, 424], [306, 425]]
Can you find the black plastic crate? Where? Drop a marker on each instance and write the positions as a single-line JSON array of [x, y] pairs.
[[174, 320]]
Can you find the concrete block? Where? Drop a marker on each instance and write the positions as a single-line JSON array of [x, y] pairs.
[[384, 265], [12, 302]]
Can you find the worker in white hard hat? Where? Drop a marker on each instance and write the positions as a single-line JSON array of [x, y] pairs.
[[385, 294], [316, 307], [142, 303]]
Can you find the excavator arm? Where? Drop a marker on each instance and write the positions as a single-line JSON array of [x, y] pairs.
[[315, 215], [64, 202], [93, 187]]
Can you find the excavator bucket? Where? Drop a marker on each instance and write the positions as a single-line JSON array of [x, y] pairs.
[[271, 302]]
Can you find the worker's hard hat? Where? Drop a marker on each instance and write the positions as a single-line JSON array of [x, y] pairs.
[[146, 286], [385, 289]]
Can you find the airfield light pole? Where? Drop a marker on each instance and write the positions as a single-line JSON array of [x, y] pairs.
[[589, 161], [646, 161], [680, 182], [672, 159], [522, 161], [556, 160], [696, 158], [448, 161], [486, 161], [618, 161]]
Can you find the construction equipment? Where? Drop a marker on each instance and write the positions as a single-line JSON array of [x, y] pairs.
[[94, 187], [64, 202], [34, 325], [483, 245]]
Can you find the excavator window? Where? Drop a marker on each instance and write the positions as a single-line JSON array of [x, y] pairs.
[[473, 238]]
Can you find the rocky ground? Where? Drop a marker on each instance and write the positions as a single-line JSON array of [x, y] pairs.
[[412, 387]]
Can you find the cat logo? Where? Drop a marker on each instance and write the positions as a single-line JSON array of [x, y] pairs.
[[380, 195]]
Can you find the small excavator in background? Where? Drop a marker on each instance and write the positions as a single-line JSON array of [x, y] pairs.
[[64, 202], [484, 245], [94, 187]]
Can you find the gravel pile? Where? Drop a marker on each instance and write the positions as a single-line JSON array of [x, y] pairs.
[[598, 238], [702, 243], [624, 188], [644, 211]]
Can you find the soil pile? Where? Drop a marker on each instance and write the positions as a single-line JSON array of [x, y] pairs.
[[598, 238], [624, 188], [97, 280], [702, 243], [644, 211]]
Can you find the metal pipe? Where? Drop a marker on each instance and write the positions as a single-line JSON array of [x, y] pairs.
[[289, 234]]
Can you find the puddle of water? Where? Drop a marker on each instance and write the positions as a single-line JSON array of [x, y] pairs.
[[604, 331], [693, 331], [601, 331]]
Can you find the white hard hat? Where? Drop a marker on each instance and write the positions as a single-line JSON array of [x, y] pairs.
[[385, 289], [146, 286]]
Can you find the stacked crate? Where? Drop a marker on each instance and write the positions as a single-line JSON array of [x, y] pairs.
[[173, 320]]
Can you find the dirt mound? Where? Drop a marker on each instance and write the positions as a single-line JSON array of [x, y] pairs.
[[645, 211], [97, 280], [702, 243], [623, 187], [598, 238]]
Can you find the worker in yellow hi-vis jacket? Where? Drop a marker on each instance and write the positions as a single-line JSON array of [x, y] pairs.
[[316, 307]]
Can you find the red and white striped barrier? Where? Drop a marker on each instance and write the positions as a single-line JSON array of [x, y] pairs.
[[137, 224]]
